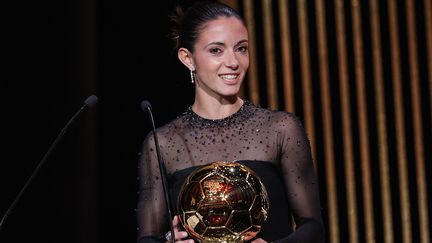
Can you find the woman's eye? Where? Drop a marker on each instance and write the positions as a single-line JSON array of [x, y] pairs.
[[243, 49], [215, 50]]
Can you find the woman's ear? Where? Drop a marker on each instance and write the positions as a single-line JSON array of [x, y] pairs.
[[185, 56]]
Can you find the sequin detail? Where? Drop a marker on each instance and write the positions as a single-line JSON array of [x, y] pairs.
[[193, 120]]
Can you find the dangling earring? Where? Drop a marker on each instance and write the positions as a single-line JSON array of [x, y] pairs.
[[192, 76]]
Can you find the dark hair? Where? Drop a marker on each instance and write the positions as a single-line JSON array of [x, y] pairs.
[[189, 23]]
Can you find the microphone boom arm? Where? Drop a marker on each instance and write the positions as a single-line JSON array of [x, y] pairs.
[[90, 101], [146, 105]]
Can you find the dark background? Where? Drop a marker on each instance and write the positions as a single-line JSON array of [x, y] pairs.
[[56, 54]]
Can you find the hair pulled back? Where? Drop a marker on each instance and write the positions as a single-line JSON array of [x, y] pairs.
[[188, 22]]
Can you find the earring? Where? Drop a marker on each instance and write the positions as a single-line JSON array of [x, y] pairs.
[[192, 76]]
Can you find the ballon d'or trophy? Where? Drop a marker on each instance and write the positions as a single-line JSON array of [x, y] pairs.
[[223, 202]]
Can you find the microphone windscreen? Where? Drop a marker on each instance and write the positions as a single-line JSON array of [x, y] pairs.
[[145, 105], [91, 100]]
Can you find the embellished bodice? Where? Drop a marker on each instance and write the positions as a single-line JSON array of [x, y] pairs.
[[251, 133], [264, 137]]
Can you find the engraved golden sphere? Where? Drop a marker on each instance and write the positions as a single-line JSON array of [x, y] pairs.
[[223, 202]]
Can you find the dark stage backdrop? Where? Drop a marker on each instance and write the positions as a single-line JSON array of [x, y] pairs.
[[56, 54]]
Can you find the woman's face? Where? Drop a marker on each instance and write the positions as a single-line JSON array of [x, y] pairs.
[[221, 57]]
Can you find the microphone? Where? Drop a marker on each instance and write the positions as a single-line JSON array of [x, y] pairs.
[[146, 107], [89, 102]]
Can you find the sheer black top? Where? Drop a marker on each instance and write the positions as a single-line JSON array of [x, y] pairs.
[[272, 143]]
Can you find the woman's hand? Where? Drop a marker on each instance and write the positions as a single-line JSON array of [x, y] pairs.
[[258, 240], [180, 236]]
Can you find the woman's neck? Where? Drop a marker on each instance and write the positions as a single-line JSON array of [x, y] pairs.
[[216, 109]]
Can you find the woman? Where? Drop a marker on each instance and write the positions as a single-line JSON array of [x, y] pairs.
[[212, 42]]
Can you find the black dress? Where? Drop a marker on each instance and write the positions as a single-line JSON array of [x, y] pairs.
[[272, 143]]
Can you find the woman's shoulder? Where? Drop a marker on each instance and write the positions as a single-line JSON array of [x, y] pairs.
[[279, 121], [174, 128], [276, 115]]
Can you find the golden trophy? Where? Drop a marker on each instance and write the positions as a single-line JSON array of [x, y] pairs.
[[223, 202]]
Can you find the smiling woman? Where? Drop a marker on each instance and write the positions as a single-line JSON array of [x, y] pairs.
[[211, 40], [218, 63]]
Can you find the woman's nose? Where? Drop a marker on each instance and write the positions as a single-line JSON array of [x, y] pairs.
[[231, 61]]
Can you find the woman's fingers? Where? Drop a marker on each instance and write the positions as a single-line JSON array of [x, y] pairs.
[[178, 234], [176, 222], [258, 240]]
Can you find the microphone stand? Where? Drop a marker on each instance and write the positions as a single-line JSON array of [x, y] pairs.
[[90, 101], [146, 105]]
